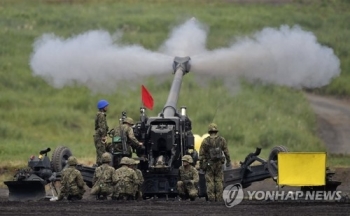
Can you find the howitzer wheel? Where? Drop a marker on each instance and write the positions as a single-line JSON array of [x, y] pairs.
[[272, 164], [59, 158]]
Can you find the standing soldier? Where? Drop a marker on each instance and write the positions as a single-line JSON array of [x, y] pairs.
[[126, 180], [188, 179], [104, 178], [138, 187], [101, 129], [72, 183], [126, 132], [211, 160]]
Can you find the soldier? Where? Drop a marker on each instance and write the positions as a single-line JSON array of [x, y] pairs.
[[138, 187], [101, 129], [211, 160], [72, 183], [125, 130], [188, 179], [126, 180], [104, 178]]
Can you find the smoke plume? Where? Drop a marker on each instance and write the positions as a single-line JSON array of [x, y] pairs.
[[286, 56]]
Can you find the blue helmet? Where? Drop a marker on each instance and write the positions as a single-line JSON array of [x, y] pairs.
[[102, 104]]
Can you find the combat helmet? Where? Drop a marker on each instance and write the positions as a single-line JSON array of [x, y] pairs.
[[102, 104], [187, 158], [106, 157], [128, 120], [132, 161], [125, 161], [213, 127], [72, 161]]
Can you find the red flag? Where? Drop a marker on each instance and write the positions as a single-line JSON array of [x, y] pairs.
[[147, 98]]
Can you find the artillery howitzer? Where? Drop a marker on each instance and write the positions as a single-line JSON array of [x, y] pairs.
[[167, 137]]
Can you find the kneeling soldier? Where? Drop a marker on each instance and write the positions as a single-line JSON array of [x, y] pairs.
[[126, 180], [138, 187], [72, 183], [188, 179], [104, 178]]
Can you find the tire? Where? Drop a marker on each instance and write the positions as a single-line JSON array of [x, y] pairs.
[[273, 157], [59, 158]]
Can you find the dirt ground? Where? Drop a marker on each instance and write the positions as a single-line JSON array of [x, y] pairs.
[[333, 128], [333, 122], [89, 206]]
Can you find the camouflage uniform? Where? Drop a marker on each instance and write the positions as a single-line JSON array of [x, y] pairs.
[[211, 160], [126, 180], [104, 178], [138, 187], [101, 129], [72, 183], [188, 178], [125, 130]]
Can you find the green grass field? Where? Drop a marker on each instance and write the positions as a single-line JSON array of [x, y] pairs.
[[34, 115]]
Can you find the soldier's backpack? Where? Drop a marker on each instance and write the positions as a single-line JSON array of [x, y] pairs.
[[215, 151]]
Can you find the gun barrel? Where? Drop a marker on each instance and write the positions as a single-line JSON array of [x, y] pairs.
[[181, 66]]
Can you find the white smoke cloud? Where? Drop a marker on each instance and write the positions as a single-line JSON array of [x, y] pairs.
[[94, 60], [186, 40], [284, 56]]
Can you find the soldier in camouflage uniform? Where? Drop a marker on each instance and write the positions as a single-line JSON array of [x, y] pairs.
[[101, 129], [138, 187], [212, 154], [187, 184], [125, 130], [126, 179], [104, 178], [72, 183]]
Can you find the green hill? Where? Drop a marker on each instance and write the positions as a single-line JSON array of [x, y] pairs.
[[36, 115]]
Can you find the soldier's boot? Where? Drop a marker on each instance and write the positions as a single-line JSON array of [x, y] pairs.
[[73, 198], [179, 198], [139, 197], [182, 197], [130, 197], [101, 197], [193, 194], [192, 198], [123, 197]]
